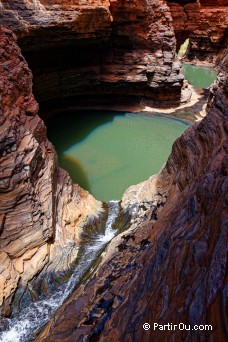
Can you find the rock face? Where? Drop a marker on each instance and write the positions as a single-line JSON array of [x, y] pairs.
[[205, 23], [37, 199], [170, 266], [91, 51]]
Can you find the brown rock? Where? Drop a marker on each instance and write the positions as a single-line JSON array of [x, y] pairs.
[[169, 267], [106, 48], [204, 23], [111, 48], [36, 197]]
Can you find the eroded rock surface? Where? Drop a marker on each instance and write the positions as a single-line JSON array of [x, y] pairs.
[[170, 266], [205, 23], [41, 211], [83, 50], [91, 51]]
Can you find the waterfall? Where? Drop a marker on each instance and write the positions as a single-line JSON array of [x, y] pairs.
[[25, 327], [38, 5]]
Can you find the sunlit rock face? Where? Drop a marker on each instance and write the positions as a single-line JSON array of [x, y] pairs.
[[87, 51], [205, 23], [91, 51], [169, 267], [37, 199]]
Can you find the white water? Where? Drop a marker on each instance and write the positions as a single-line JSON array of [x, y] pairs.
[[24, 327], [38, 5]]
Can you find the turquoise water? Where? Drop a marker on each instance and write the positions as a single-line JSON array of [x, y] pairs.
[[199, 77], [107, 152]]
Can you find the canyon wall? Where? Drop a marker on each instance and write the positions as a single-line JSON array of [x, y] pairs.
[[91, 51], [170, 266], [78, 51], [42, 213], [205, 23]]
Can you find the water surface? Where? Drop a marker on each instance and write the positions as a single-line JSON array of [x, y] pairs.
[[107, 152], [199, 76]]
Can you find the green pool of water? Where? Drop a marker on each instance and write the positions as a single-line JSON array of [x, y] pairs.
[[199, 77], [107, 152]]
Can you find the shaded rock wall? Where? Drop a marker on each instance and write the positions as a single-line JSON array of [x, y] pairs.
[[37, 199], [144, 50], [170, 267], [86, 51], [204, 23], [214, 2]]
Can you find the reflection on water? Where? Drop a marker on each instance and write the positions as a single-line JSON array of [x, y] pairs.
[[71, 163], [107, 152], [199, 77]]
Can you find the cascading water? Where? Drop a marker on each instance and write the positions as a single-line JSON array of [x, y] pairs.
[[38, 5], [25, 327]]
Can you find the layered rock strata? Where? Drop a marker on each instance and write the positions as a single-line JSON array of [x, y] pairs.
[[205, 23], [88, 51], [41, 211], [78, 50], [170, 266]]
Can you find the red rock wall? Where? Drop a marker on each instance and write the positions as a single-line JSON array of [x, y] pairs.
[[205, 24], [171, 266], [36, 196], [214, 2], [73, 2], [128, 48], [117, 47]]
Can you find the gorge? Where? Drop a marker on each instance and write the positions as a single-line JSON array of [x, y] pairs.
[[168, 260]]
